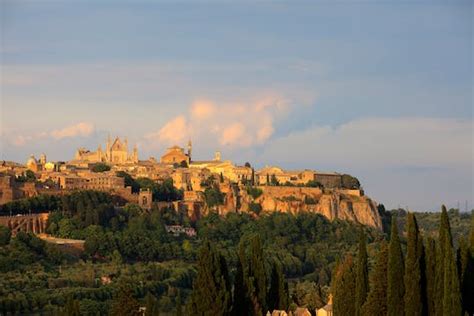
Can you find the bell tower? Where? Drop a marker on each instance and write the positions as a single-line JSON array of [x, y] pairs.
[[190, 149]]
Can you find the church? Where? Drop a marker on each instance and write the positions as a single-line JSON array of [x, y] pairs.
[[115, 152]]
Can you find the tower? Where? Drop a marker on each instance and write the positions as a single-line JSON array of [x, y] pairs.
[[107, 149], [190, 149], [42, 159], [99, 153], [217, 156], [135, 154]]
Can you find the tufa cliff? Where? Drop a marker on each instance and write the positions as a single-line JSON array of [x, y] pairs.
[[349, 205]]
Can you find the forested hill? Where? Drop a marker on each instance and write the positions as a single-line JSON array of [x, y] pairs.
[[429, 222]]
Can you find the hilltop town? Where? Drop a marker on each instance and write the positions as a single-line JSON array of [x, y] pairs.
[[215, 184]]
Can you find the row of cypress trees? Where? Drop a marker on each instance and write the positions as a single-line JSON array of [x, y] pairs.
[[429, 278], [253, 290]]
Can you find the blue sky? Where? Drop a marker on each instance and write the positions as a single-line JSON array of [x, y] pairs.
[[381, 90]]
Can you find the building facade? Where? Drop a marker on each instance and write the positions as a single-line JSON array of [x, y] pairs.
[[115, 152]]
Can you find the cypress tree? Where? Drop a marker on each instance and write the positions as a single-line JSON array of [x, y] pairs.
[[240, 301], [466, 276], [444, 234], [376, 303], [343, 288], [396, 271], [362, 274], [211, 293], [452, 295], [430, 272], [413, 276], [256, 277], [278, 291], [467, 284], [471, 236], [250, 289]]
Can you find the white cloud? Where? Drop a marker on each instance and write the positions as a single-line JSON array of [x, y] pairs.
[[80, 129], [174, 131], [229, 124]]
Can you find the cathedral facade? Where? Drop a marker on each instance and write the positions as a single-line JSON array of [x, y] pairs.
[[115, 152]]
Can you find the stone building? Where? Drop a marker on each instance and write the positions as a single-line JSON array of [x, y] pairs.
[[299, 177], [99, 181], [189, 179], [228, 170], [176, 155], [115, 152]]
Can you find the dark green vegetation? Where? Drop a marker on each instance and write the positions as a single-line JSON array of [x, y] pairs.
[[239, 264], [132, 247], [417, 275], [100, 167]]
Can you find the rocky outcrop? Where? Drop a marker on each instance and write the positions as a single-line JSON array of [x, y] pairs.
[[334, 204]]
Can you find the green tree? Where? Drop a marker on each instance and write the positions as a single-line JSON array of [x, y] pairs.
[[274, 181], [255, 278], [213, 196], [100, 167], [129, 181], [343, 288], [413, 269], [444, 235], [240, 298], [465, 261], [278, 291], [471, 235], [396, 271], [430, 272], [350, 182], [211, 293], [362, 274], [313, 184], [452, 295], [5, 235], [376, 303], [124, 304]]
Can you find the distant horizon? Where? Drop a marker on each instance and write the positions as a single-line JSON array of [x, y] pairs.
[[381, 91]]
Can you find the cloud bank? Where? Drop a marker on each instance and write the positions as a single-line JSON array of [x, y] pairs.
[[230, 124]]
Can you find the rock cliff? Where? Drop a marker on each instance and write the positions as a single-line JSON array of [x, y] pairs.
[[342, 204]]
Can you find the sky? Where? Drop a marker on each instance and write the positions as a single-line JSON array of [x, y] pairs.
[[380, 90]]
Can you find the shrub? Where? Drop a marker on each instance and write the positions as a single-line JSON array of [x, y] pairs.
[[254, 192], [100, 167]]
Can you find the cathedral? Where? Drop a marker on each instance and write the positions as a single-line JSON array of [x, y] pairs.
[[115, 152]]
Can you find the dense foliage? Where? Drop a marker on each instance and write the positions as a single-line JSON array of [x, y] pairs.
[[270, 261], [428, 278], [126, 243]]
